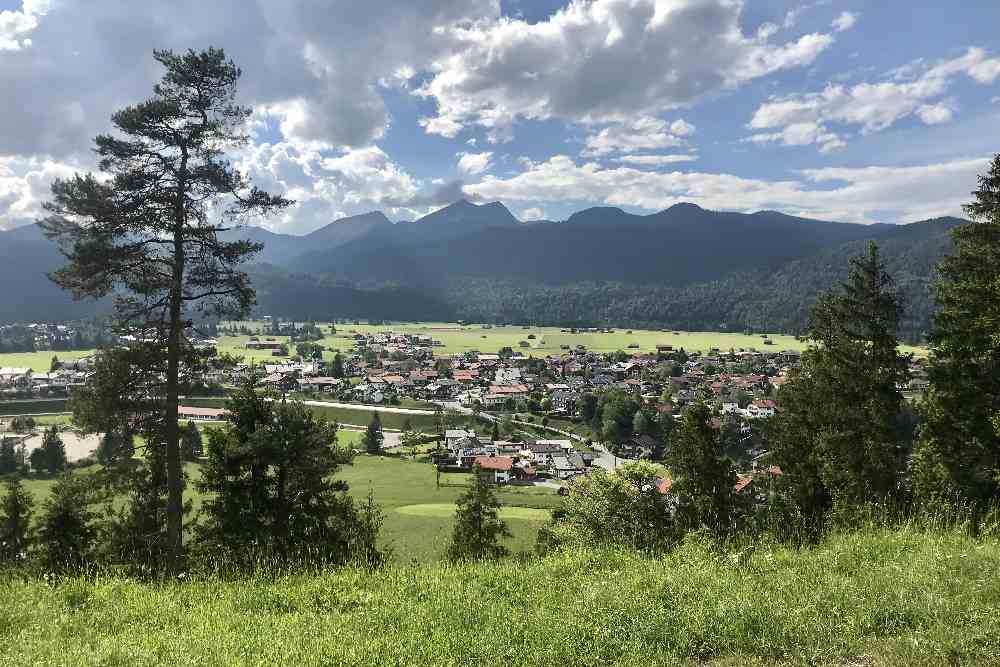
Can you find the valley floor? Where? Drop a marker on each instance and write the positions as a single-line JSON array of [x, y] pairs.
[[900, 597]]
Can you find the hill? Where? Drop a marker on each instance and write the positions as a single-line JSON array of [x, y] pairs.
[[876, 597], [684, 267]]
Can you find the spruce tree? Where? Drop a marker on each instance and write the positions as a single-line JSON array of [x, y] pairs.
[[151, 234], [53, 456], [8, 457], [272, 492], [835, 436], [478, 526], [191, 445], [66, 530], [959, 443], [703, 478], [15, 521], [374, 437]]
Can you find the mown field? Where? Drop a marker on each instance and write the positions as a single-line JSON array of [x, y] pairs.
[[418, 513], [39, 362], [548, 340], [876, 597]]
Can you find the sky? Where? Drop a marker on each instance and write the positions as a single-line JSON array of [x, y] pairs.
[[851, 110]]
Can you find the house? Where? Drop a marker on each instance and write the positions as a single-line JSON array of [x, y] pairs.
[[760, 409], [203, 414], [15, 377], [453, 436], [496, 469], [318, 384], [566, 466], [564, 400]]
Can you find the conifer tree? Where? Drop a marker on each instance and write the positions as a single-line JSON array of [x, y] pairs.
[[150, 235], [66, 531], [959, 443], [191, 446], [836, 436], [478, 526], [702, 476], [53, 451], [8, 456], [15, 521], [271, 489], [374, 437]]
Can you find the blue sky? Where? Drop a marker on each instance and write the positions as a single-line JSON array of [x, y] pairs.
[[848, 110]]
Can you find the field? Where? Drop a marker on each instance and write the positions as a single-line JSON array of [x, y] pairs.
[[876, 597], [548, 340], [39, 362], [418, 513]]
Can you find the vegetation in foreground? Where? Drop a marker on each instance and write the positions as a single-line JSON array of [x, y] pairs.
[[874, 597]]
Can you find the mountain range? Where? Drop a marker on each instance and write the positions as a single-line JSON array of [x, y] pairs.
[[683, 267]]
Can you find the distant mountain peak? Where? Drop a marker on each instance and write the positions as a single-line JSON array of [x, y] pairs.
[[685, 206]]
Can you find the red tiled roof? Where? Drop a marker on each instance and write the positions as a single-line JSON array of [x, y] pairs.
[[498, 463]]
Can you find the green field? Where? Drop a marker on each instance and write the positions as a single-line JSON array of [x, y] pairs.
[[548, 340], [876, 597], [418, 513], [39, 362]]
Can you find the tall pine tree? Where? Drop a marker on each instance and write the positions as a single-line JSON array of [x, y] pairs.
[[959, 446], [151, 234], [15, 521]]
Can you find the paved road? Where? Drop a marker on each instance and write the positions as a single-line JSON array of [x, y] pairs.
[[365, 406]]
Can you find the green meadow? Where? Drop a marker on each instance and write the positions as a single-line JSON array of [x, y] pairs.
[[547, 340], [39, 362], [418, 512], [873, 597]]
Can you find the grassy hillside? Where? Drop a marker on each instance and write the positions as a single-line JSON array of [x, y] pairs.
[[873, 598]]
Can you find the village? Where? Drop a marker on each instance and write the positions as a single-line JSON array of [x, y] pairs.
[[514, 417]]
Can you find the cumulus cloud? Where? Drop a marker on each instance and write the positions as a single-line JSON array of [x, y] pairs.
[[475, 163], [25, 184], [328, 187], [845, 21], [16, 26], [854, 195], [643, 134], [600, 61], [913, 90], [314, 66]]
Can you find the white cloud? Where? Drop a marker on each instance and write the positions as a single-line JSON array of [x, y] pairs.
[[315, 67], [845, 21], [24, 184], [600, 61], [643, 134], [864, 195], [533, 213], [656, 160], [475, 163], [325, 187], [801, 134], [913, 90], [15, 26]]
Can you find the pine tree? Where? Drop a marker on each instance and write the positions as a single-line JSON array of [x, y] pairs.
[[836, 436], [374, 437], [703, 478], [959, 442], [191, 446], [66, 530], [8, 457], [15, 521], [171, 194], [478, 526], [115, 447], [53, 451], [271, 489]]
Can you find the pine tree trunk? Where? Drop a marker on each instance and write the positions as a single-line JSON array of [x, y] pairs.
[[171, 430]]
